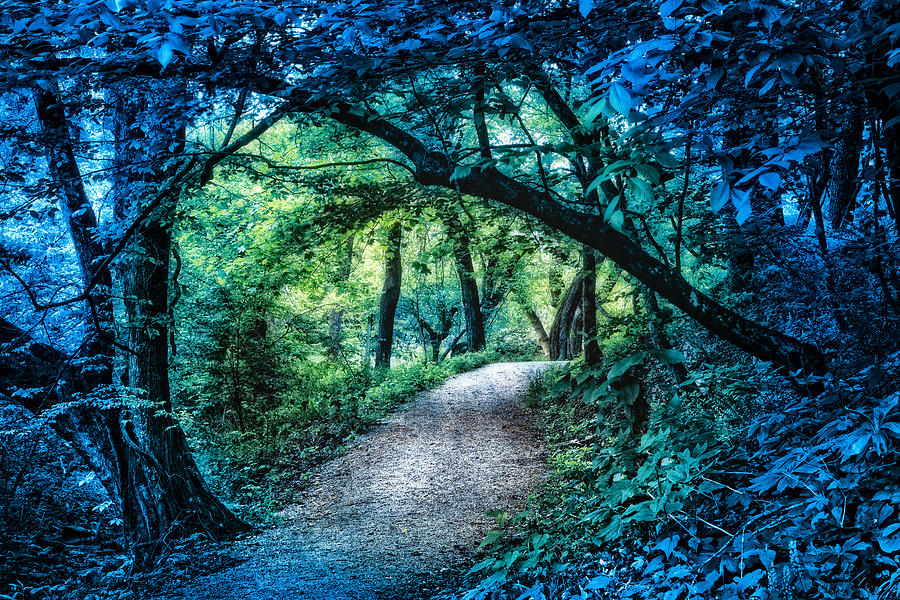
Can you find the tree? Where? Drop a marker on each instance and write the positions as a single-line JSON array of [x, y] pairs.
[[465, 269], [592, 354], [337, 315], [390, 296]]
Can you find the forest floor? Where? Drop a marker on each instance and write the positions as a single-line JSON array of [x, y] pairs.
[[401, 514]]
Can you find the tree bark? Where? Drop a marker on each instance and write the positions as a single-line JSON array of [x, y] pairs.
[[390, 296], [845, 168], [465, 269], [166, 493], [564, 320], [592, 353], [541, 333], [576, 336]]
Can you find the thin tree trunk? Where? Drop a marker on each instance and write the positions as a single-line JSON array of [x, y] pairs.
[[845, 168], [576, 337], [336, 324], [390, 296], [434, 336], [541, 333], [592, 353], [367, 353], [94, 433]]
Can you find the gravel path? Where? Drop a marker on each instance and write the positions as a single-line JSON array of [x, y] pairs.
[[404, 509]]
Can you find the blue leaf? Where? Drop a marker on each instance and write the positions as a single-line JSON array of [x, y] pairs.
[[585, 7], [600, 582], [770, 180], [164, 55], [620, 99], [668, 7], [719, 196], [741, 201]]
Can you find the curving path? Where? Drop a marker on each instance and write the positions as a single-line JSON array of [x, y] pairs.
[[404, 509]]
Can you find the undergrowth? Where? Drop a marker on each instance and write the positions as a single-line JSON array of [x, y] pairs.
[[258, 471], [722, 484]]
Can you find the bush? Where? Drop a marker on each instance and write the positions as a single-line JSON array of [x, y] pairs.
[[802, 501], [259, 470]]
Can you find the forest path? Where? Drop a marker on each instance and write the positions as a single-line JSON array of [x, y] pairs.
[[404, 508]]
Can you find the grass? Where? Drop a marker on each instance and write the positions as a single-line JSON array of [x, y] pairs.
[[258, 472]]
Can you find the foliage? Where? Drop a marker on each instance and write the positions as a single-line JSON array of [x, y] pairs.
[[799, 502], [326, 409]]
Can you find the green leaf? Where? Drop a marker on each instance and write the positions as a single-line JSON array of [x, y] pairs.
[[642, 189], [595, 110], [668, 7], [460, 172], [668, 356], [610, 209], [648, 172], [617, 167], [595, 184]]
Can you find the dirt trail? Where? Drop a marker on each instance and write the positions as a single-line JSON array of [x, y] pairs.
[[405, 507]]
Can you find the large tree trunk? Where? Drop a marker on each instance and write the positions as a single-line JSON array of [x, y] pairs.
[[845, 168], [564, 320], [592, 353], [166, 494], [139, 455], [758, 340], [390, 296], [465, 269]]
